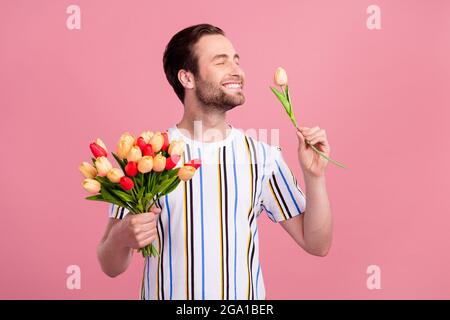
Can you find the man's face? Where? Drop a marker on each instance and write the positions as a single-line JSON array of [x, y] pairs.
[[220, 80]]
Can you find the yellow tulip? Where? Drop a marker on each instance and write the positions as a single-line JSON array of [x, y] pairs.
[[157, 141], [135, 154], [124, 145], [147, 135], [127, 137], [280, 78], [114, 175], [186, 173], [91, 185], [123, 148], [159, 163], [176, 147], [103, 166], [145, 164], [88, 170]]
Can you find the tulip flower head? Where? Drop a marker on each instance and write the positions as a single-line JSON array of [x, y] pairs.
[[91, 185], [97, 150], [126, 183], [126, 142], [131, 169], [280, 77], [145, 164], [186, 173], [114, 175], [103, 166], [88, 170], [159, 163], [147, 135], [157, 142]]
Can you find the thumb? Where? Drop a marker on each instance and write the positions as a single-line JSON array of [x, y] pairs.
[[155, 210]]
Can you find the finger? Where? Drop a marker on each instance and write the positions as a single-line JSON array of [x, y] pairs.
[[145, 217], [311, 132], [303, 129], [321, 138], [155, 210], [146, 235], [147, 226], [147, 241], [320, 133]]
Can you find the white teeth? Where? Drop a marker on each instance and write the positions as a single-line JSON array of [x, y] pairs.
[[232, 85]]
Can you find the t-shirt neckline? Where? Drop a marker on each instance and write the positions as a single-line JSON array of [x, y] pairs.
[[213, 144]]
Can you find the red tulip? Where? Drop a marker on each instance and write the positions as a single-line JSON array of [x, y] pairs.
[[147, 150], [131, 169], [172, 161], [126, 183], [97, 151], [166, 141], [196, 163], [141, 143]]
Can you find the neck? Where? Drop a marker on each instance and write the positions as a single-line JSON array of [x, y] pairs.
[[204, 124]]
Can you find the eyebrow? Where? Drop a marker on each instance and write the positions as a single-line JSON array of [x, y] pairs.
[[223, 55]]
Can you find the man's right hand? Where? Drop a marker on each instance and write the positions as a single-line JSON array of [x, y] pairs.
[[136, 230]]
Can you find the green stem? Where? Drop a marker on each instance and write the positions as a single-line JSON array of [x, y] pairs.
[[323, 154]]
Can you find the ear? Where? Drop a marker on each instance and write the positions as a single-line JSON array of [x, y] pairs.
[[186, 79]]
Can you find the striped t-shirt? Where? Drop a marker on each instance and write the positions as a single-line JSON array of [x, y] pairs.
[[207, 230]]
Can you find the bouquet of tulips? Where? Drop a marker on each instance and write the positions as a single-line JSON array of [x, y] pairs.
[[280, 80], [148, 169]]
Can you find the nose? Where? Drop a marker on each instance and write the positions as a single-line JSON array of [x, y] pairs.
[[237, 70]]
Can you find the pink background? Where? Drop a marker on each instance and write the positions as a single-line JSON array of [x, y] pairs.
[[382, 95]]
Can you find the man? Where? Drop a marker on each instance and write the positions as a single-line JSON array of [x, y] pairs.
[[206, 229]]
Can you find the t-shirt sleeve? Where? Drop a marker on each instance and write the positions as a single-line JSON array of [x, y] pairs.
[[282, 198], [117, 212]]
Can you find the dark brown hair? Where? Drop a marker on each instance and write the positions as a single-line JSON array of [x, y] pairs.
[[179, 54]]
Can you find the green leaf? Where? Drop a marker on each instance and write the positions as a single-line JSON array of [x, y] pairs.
[[286, 104], [107, 195], [154, 251], [105, 181], [284, 101], [99, 199], [121, 163], [95, 197], [156, 178], [172, 173], [126, 197], [286, 93], [141, 180], [173, 186], [149, 182], [168, 185], [140, 193]]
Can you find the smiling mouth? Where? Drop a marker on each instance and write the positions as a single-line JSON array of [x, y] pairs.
[[235, 86]]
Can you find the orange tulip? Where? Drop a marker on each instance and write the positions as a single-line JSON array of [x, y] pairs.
[[186, 173]]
